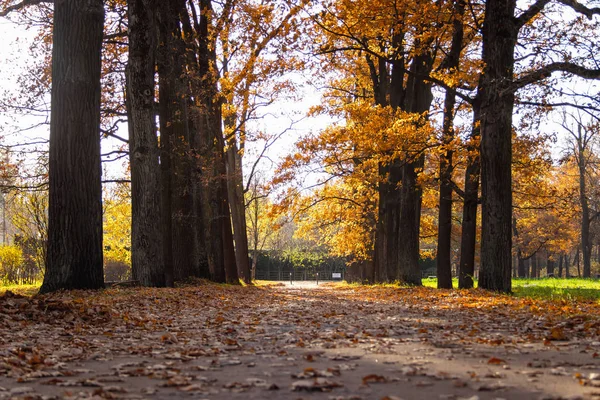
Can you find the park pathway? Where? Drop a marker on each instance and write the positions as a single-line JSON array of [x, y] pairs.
[[299, 341]]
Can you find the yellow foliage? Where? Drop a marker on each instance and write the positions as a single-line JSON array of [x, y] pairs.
[[117, 230]]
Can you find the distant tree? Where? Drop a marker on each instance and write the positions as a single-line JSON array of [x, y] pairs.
[[582, 138]]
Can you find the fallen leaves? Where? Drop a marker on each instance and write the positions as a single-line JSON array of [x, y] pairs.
[[496, 361], [216, 341], [315, 385], [374, 379]]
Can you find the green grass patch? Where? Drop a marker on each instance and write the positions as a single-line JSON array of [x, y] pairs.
[[557, 289], [23, 290], [546, 288]]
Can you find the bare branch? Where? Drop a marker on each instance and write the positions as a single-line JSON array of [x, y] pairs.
[[19, 6], [580, 8], [531, 12], [546, 71]]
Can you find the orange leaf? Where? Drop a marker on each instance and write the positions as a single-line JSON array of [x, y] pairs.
[[373, 379], [496, 361], [557, 333]]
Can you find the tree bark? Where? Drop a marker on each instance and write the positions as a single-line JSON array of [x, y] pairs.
[[521, 270], [173, 128], [444, 259], [466, 266], [146, 240], [586, 248], [418, 100], [560, 265], [210, 147], [550, 266], [534, 266], [235, 191], [578, 262], [75, 201], [496, 96]]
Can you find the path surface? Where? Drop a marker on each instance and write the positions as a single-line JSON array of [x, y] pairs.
[[299, 341]]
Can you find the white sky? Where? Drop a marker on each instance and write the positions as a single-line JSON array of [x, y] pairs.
[[14, 55]]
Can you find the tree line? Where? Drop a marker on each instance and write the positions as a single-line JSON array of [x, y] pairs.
[[195, 72]]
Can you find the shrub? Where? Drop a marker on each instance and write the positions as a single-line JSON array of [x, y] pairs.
[[11, 264]]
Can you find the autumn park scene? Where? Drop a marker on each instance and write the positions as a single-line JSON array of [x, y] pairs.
[[300, 199]]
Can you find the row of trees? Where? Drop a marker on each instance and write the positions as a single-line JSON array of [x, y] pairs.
[[483, 58], [204, 68], [216, 67]]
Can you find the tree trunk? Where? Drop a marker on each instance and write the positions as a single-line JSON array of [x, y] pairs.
[[396, 254], [211, 150], [392, 201], [235, 191], [75, 200], [550, 266], [418, 100], [496, 97], [567, 265], [466, 266], [182, 206], [560, 265], [578, 262], [452, 62], [407, 267], [173, 129], [521, 270], [586, 248], [534, 266], [146, 239]]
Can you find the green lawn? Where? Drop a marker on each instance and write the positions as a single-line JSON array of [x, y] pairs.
[[25, 290], [547, 288]]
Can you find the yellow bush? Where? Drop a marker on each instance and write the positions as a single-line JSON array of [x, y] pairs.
[[11, 264]]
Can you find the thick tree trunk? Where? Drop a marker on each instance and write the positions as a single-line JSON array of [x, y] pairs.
[[496, 97], [444, 259], [444, 264], [407, 268], [182, 207], [146, 240], [418, 100], [466, 266], [235, 191], [389, 272], [173, 129], [567, 265], [210, 148], [74, 258]]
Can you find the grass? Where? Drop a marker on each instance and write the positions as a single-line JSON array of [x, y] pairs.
[[24, 290], [553, 289], [546, 288]]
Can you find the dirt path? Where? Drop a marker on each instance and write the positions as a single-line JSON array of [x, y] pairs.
[[295, 341]]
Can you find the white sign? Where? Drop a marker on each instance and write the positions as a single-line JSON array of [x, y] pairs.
[[336, 275]]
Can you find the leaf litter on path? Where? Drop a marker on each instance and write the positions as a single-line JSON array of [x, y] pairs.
[[246, 342]]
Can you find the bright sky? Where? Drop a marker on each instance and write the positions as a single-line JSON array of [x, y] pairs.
[[14, 55]]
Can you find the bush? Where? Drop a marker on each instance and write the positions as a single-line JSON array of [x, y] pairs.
[[11, 264]]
